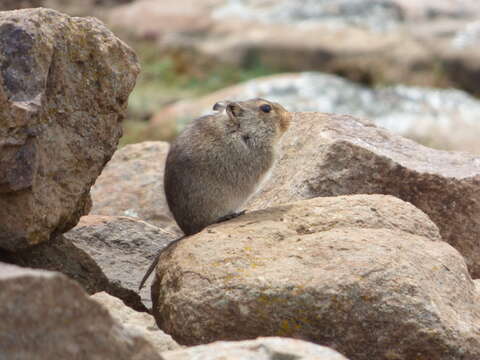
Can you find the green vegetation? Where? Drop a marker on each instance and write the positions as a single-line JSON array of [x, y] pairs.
[[166, 79]]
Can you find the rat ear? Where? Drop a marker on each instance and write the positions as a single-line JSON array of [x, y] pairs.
[[233, 110], [219, 106]]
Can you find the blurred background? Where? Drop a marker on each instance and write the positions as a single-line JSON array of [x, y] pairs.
[[411, 66]]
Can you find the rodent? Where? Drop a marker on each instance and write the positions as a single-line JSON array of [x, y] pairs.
[[220, 160]]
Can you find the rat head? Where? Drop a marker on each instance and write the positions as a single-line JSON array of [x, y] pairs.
[[258, 116]]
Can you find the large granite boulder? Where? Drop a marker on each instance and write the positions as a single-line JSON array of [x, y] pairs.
[[64, 86], [47, 316], [366, 275], [329, 155]]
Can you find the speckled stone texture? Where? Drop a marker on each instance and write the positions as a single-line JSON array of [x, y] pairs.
[[139, 322], [45, 315], [330, 155], [365, 274], [123, 248], [273, 348], [64, 86]]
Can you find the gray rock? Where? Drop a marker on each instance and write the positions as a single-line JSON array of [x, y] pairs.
[[468, 35], [45, 315], [64, 86], [137, 322], [378, 15], [124, 248], [59, 254], [63, 255], [366, 275], [273, 348]]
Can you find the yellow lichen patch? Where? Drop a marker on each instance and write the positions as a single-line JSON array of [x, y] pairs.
[[298, 290], [230, 277], [265, 299], [287, 328]]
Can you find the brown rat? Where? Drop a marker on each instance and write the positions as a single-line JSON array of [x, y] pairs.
[[219, 161]]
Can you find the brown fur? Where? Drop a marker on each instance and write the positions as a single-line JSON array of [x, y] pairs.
[[217, 162]]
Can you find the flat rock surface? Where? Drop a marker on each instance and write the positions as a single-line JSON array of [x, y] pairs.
[[354, 273], [330, 155], [122, 247], [272, 348], [64, 86], [45, 315], [137, 322]]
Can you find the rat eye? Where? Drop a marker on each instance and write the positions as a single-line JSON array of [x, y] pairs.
[[266, 108]]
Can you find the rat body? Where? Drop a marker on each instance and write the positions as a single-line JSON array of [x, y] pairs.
[[218, 162]]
